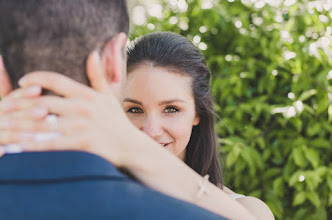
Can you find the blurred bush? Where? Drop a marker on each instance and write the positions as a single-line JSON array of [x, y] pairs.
[[271, 62]]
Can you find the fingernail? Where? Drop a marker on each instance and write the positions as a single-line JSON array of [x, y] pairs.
[[22, 81], [39, 112], [34, 90]]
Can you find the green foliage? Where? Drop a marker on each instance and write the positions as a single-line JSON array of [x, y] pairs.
[[271, 69]]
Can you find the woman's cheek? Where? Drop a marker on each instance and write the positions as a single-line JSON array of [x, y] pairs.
[[136, 120], [181, 131]]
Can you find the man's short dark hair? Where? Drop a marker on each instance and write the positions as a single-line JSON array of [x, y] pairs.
[[57, 35]]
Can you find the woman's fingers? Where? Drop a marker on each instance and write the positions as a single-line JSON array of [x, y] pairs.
[[36, 107], [57, 83], [28, 92], [61, 143], [17, 116], [9, 137], [38, 131], [24, 125], [12, 131], [20, 106], [57, 105]]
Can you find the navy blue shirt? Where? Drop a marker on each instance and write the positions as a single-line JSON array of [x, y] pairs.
[[77, 185]]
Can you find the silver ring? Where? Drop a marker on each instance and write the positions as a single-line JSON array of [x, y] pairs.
[[52, 121]]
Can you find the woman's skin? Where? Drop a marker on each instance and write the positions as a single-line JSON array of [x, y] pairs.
[[161, 105], [156, 114]]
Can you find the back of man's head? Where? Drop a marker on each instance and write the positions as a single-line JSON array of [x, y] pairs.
[[57, 35]]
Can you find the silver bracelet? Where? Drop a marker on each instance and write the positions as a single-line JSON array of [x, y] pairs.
[[203, 187]]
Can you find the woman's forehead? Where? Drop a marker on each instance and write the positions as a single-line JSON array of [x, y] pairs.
[[157, 81], [148, 72]]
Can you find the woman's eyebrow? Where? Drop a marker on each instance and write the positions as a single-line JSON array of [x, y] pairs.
[[132, 101], [171, 101]]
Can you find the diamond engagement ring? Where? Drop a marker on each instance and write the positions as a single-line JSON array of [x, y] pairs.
[[52, 121]]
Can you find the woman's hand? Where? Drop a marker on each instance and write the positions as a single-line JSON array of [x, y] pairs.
[[88, 120], [8, 109]]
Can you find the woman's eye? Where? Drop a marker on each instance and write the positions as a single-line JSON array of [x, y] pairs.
[[135, 110], [171, 110]]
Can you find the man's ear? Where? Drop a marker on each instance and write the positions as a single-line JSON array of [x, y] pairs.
[[107, 71], [5, 84], [114, 59], [95, 72]]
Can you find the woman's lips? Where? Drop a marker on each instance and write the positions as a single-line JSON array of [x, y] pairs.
[[164, 144]]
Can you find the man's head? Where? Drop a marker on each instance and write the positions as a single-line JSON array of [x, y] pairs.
[[58, 35]]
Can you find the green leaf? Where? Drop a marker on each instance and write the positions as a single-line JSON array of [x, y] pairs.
[[323, 104], [248, 158], [278, 186], [321, 171], [261, 143], [329, 179], [313, 129], [330, 112], [299, 198], [312, 180], [298, 156], [313, 157], [313, 198], [232, 140], [308, 109], [301, 213], [320, 213], [320, 143], [295, 178], [307, 94], [273, 173], [276, 208], [233, 156], [297, 123]]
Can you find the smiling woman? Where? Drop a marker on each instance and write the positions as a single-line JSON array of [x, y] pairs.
[[166, 113], [165, 66]]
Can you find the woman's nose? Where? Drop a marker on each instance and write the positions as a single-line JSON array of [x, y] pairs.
[[153, 127]]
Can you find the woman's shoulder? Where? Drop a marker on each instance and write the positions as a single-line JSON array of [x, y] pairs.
[[256, 207]]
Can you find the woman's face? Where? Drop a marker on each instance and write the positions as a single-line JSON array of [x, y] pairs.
[[161, 104]]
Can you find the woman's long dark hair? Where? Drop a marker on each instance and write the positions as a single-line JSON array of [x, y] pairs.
[[177, 54]]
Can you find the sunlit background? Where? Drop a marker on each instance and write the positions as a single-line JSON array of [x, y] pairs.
[[142, 10]]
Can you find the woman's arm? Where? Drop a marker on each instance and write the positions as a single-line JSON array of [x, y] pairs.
[[166, 173], [256, 207], [162, 171]]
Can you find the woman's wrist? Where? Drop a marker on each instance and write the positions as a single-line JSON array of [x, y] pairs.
[[131, 146], [134, 150]]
